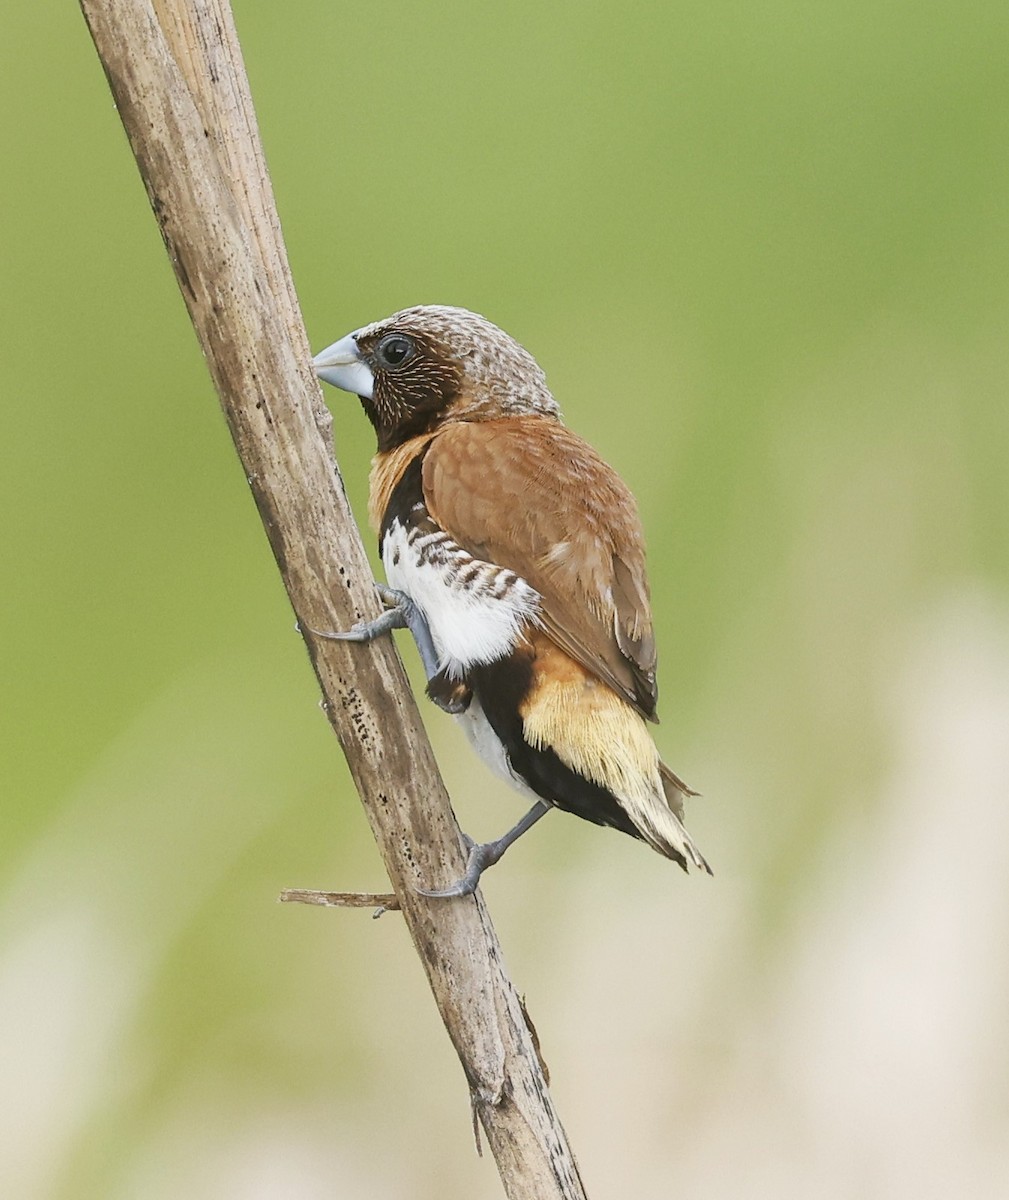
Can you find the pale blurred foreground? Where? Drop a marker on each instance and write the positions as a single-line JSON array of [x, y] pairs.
[[861, 1052]]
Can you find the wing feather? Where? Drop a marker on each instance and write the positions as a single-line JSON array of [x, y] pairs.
[[530, 495]]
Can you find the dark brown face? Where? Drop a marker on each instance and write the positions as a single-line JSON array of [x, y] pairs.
[[430, 364], [413, 384]]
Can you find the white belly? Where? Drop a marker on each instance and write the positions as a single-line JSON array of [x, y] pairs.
[[488, 745], [476, 611]]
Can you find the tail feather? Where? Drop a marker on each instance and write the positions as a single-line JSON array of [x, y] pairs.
[[667, 833]]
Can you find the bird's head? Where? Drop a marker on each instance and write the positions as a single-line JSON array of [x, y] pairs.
[[426, 365]]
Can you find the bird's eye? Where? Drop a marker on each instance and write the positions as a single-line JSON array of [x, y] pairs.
[[394, 350]]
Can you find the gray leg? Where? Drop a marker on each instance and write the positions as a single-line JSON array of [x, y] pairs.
[[486, 854], [401, 613]]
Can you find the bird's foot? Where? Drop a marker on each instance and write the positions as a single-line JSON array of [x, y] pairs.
[[401, 613], [397, 615], [481, 856], [485, 854]]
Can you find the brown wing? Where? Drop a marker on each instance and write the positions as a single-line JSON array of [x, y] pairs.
[[530, 495]]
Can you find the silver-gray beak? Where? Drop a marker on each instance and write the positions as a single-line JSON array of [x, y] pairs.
[[341, 365]]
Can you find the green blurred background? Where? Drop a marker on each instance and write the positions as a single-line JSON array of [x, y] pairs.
[[762, 252]]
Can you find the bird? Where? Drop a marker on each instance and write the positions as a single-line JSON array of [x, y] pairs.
[[515, 556]]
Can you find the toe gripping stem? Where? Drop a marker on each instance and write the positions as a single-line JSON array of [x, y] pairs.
[[401, 613], [485, 854]]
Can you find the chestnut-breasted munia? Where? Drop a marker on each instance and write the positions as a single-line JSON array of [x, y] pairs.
[[515, 556]]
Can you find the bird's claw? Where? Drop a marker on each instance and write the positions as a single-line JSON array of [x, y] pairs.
[[356, 633], [400, 613], [480, 857]]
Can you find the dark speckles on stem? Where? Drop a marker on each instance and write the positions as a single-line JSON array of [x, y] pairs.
[[351, 701]]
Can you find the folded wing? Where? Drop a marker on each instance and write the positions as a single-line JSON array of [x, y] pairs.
[[528, 494]]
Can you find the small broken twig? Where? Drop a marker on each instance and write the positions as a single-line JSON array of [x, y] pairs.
[[383, 901]]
